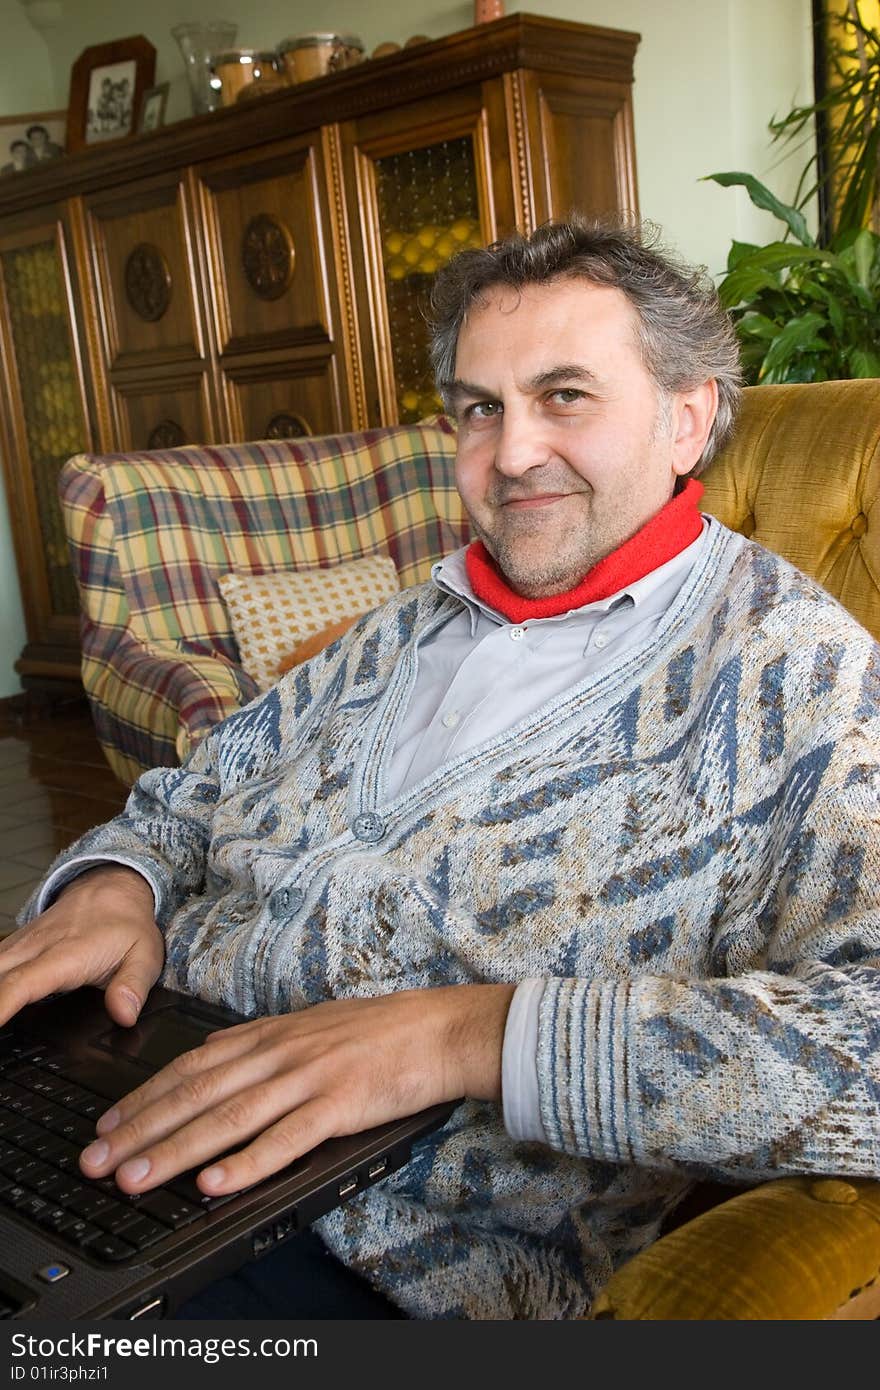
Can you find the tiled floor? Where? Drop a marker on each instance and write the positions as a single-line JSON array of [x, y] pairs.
[[54, 784]]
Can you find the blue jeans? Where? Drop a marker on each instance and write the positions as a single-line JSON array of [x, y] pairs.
[[299, 1279]]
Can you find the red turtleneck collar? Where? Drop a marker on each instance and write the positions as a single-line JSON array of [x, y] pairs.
[[675, 526]]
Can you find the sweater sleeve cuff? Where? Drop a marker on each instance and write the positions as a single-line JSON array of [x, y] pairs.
[[65, 873], [519, 1064]]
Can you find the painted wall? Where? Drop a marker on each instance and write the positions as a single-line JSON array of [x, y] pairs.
[[709, 76]]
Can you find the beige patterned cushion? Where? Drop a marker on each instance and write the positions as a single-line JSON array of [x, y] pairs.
[[271, 613]]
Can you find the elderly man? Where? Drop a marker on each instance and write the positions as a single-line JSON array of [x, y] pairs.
[[584, 831]]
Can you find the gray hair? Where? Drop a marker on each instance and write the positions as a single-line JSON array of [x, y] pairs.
[[684, 335]]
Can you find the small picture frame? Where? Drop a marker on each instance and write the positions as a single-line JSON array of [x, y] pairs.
[[107, 86], [152, 113], [30, 142]]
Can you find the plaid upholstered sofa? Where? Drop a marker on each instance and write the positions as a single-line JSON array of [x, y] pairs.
[[151, 533]]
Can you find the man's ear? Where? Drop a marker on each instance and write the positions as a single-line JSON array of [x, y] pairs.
[[693, 414]]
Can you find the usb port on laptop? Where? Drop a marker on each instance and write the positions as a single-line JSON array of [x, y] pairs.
[[376, 1170], [347, 1186]]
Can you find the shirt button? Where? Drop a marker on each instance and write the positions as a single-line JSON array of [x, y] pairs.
[[517, 634], [450, 720], [602, 639], [368, 827]]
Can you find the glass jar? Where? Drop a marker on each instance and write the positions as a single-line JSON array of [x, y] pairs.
[[315, 55], [197, 43]]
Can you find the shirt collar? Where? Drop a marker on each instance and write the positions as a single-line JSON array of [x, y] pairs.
[[450, 577]]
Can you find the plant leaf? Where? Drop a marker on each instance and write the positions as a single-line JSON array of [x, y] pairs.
[[744, 284], [863, 362], [739, 249], [798, 335], [865, 250], [758, 326], [762, 198]]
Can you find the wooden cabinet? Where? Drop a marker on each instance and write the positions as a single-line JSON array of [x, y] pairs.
[[262, 272]]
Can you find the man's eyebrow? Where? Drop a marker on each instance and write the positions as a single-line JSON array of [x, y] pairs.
[[564, 372], [454, 391]]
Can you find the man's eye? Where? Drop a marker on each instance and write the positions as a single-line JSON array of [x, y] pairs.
[[483, 410], [567, 395]]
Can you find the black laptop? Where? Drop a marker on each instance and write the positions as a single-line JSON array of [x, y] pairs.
[[75, 1248]]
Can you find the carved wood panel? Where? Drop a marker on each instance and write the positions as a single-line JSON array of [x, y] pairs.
[[142, 253], [268, 248], [284, 401], [154, 415], [582, 153]]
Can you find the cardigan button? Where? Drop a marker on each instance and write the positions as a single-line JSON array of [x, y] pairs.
[[285, 901], [841, 1194], [368, 827], [859, 525]]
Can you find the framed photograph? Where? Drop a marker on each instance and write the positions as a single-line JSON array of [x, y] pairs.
[[28, 142], [153, 108], [107, 86]]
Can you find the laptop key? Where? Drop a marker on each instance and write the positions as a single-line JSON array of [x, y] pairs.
[[75, 1128], [54, 1218], [109, 1247], [21, 1132], [90, 1107], [64, 1189], [33, 1206], [19, 1168], [115, 1217], [10, 1092], [185, 1187], [81, 1231], [15, 1196], [87, 1203], [170, 1210], [41, 1177], [144, 1233]]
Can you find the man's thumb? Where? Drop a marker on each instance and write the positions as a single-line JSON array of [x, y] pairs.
[[124, 998]]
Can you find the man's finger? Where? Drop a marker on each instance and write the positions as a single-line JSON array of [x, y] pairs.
[[53, 972], [205, 1058], [296, 1133], [170, 1138]]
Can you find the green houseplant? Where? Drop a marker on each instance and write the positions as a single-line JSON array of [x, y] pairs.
[[803, 312], [808, 308]]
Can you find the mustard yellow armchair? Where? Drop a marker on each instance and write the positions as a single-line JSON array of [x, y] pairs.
[[801, 477]]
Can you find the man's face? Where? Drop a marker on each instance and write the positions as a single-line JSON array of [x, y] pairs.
[[39, 140], [565, 445]]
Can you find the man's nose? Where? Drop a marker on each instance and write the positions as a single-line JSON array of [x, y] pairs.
[[521, 444]]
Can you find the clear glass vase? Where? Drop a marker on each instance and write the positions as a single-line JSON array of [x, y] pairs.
[[197, 43]]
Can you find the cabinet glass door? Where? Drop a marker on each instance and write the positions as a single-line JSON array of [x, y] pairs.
[[428, 209]]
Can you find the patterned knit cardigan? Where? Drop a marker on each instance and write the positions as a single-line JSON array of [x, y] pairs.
[[687, 846]]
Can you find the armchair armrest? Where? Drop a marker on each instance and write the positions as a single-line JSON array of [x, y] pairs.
[[797, 1248], [153, 702]]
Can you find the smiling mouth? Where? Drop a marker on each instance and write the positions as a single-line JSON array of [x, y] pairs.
[[525, 503]]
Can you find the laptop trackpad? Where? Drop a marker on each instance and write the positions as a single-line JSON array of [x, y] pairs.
[[157, 1038]]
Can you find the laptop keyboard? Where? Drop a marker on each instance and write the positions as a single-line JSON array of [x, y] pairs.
[[46, 1120]]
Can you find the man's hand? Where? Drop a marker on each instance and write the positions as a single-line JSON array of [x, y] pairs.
[[280, 1086], [99, 931]]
